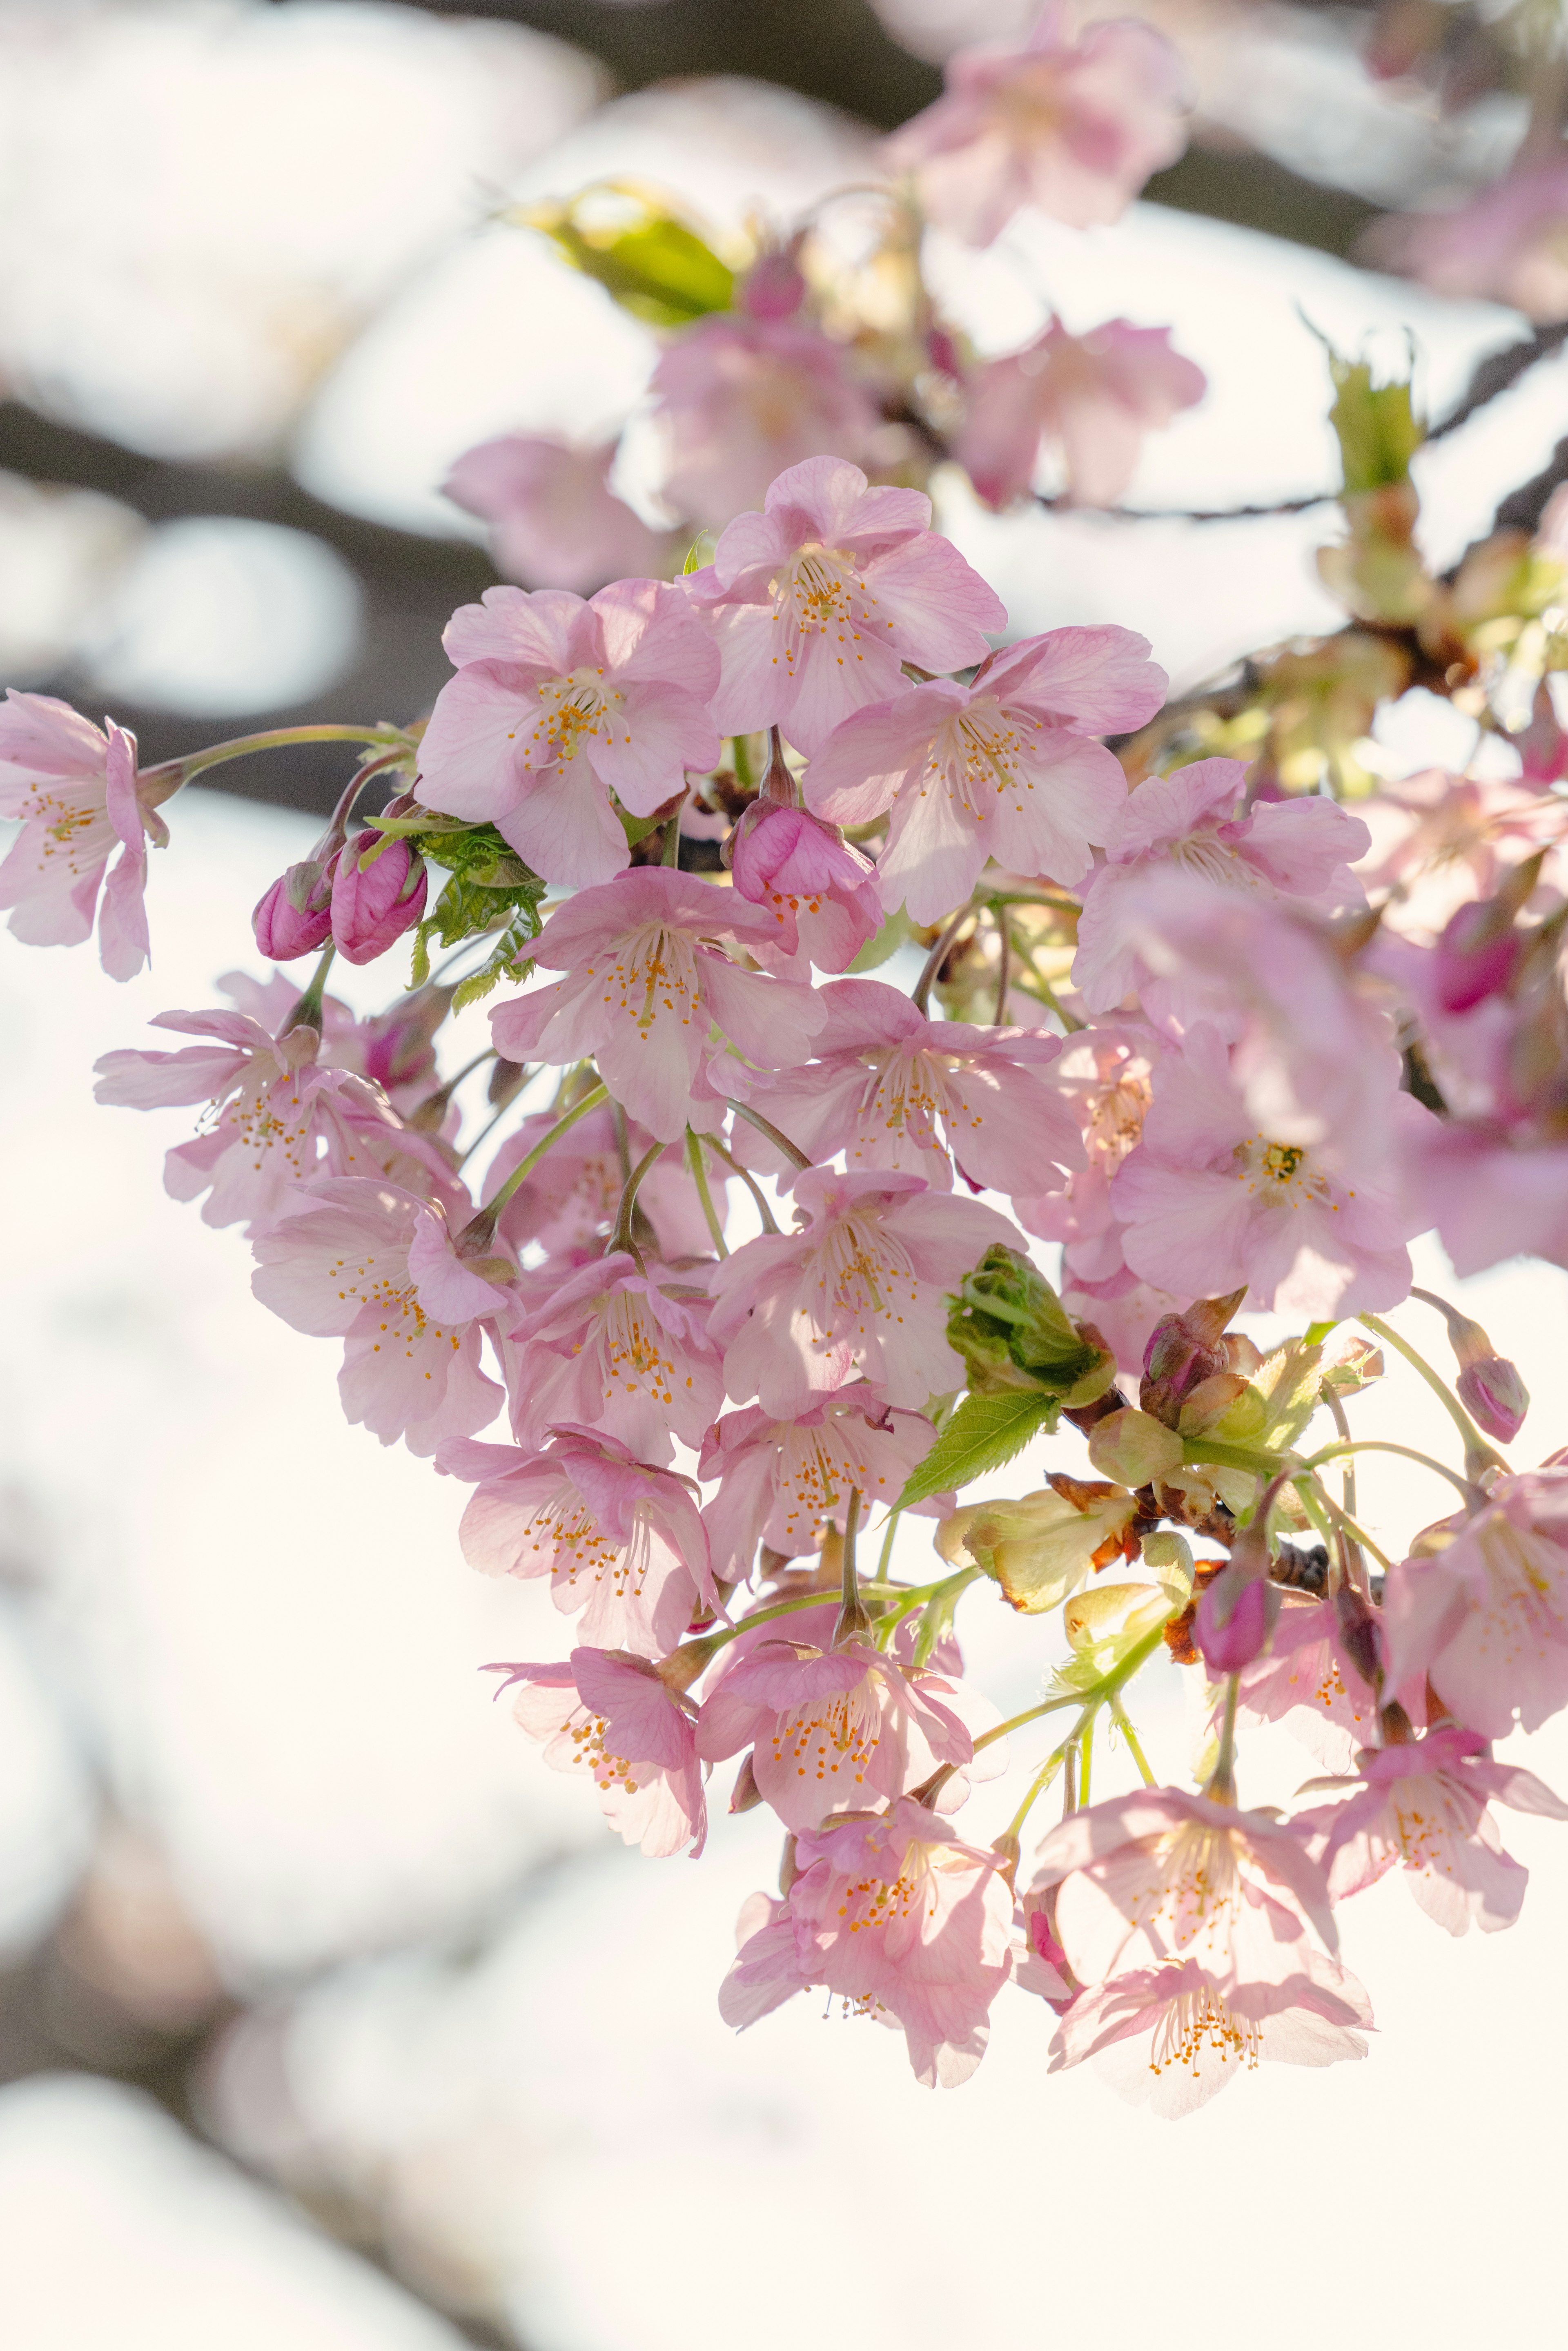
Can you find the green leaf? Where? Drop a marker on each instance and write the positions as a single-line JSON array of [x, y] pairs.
[[646, 260], [984, 1434], [893, 934]]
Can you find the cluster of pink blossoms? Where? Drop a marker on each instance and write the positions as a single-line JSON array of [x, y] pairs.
[[1249, 1080]]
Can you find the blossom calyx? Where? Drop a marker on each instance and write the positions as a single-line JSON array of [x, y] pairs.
[[1013, 1332]]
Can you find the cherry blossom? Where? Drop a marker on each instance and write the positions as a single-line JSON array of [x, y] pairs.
[[558, 703], [1161, 1879], [833, 1730], [821, 894], [276, 1115], [612, 1348], [375, 1265], [1211, 1200], [901, 1921], [816, 602], [1306, 1680], [620, 1541], [1091, 397], [780, 1482], [1168, 2039], [612, 1718], [1075, 127], [1005, 768], [861, 1286], [743, 399], [1424, 1808], [1506, 243], [1487, 1619], [887, 1085], [569, 1200], [644, 992], [1103, 1077], [78, 796], [1196, 822], [555, 521]]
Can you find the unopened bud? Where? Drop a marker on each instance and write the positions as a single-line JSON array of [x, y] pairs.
[[374, 902], [1234, 1619], [1183, 1349], [1495, 1396], [295, 917]]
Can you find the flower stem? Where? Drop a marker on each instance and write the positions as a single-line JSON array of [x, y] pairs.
[[1085, 1756], [305, 1012], [853, 1623], [1119, 1717], [792, 1151], [1221, 1788], [621, 1234], [919, 994], [1036, 1788], [695, 1161], [1003, 962], [1479, 1454], [279, 738], [1316, 1499], [1472, 1494], [770, 1222], [490, 1215]]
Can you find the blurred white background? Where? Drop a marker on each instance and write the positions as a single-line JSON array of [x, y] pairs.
[[271, 1862]]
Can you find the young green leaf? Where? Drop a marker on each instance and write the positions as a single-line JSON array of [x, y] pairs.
[[984, 1434]]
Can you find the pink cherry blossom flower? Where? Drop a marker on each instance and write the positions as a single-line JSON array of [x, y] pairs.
[[900, 1918], [1092, 398], [569, 1200], [1306, 1680], [610, 1348], [821, 894], [833, 1731], [556, 705], [1505, 244], [620, 1541], [645, 991], [275, 1115], [612, 1718], [743, 399], [554, 521], [1440, 841], [1212, 1199], [861, 1286], [78, 796], [1487, 1619], [1195, 822], [1160, 1878], [888, 1085], [780, 1482], [1103, 1077], [816, 602], [375, 1265], [1005, 768], [1424, 1808], [1075, 127], [1166, 2038]]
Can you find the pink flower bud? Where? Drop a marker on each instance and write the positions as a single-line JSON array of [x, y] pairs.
[[373, 905], [295, 917], [1495, 1396], [773, 288], [1234, 1619], [779, 852], [1184, 1349], [1476, 956]]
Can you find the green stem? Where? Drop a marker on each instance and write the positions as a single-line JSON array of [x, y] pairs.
[[1472, 1494], [770, 1222], [699, 1177], [1003, 962], [792, 1151], [884, 1558], [1221, 1786], [279, 738], [306, 1013], [1316, 1499], [1069, 1020], [853, 1623], [670, 854], [920, 1595], [1036, 1788], [1119, 1717], [1196, 1450], [621, 1233], [1085, 1757], [524, 1167], [1477, 1449]]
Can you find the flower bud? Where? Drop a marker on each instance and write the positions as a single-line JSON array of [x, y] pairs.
[[1235, 1617], [1013, 1332], [374, 903], [295, 917], [1476, 956], [773, 288], [1495, 1396], [777, 851], [1183, 1349]]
